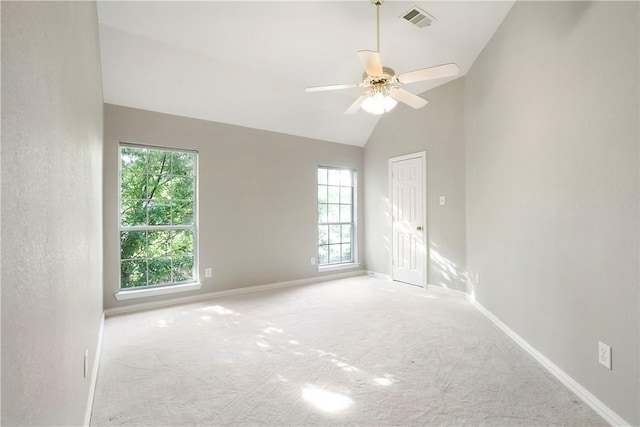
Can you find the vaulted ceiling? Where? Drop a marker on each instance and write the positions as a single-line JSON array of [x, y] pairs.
[[247, 63]]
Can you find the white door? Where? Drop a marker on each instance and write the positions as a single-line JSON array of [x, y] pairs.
[[408, 231]]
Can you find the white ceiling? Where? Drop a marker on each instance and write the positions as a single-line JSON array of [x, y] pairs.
[[247, 63]]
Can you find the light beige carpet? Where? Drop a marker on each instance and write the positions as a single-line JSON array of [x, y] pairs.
[[358, 351]]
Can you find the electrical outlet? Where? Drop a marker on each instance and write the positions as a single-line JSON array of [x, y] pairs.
[[443, 200], [86, 362], [207, 272], [312, 261], [604, 355]]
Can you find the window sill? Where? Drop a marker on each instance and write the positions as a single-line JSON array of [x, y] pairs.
[[151, 292], [337, 267]]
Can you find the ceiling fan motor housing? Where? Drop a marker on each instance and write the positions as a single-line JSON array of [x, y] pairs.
[[388, 75]]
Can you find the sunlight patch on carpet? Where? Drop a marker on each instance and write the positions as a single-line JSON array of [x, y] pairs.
[[217, 309], [326, 401]]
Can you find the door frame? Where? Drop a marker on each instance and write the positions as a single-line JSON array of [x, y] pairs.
[[423, 156]]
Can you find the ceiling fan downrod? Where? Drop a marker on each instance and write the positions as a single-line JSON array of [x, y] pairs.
[[377, 4]]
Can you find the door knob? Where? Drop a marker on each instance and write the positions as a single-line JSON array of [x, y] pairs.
[[419, 228]]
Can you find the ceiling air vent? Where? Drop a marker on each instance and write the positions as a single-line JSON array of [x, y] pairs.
[[418, 17]]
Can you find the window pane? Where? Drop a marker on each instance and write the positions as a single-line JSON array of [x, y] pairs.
[[334, 213], [345, 177], [346, 233], [159, 187], [323, 234], [182, 163], [159, 162], [133, 212], [323, 254], [322, 194], [334, 234], [334, 194], [133, 273], [159, 213], [159, 243], [182, 188], [334, 254], [322, 213], [182, 212], [183, 270], [182, 244], [133, 185], [159, 271], [133, 160], [322, 176], [345, 213], [133, 244], [334, 177], [345, 195], [346, 253]]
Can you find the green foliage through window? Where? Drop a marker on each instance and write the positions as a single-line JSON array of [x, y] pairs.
[[157, 216], [335, 215]]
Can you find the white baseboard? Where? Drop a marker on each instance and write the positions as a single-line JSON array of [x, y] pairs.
[[447, 290], [587, 397], [94, 375], [379, 275], [218, 294]]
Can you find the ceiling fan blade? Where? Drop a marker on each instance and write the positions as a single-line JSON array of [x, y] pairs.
[[439, 71], [407, 97], [332, 87], [371, 62], [356, 105]]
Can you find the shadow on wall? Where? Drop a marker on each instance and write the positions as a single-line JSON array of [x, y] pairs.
[[449, 275], [385, 202], [566, 17], [560, 25]]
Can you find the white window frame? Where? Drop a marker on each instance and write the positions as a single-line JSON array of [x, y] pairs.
[[354, 223], [162, 288]]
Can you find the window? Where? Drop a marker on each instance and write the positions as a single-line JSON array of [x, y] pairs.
[[336, 213], [158, 233]]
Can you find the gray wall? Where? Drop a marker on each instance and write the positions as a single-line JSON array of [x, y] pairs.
[[51, 209], [551, 131], [438, 129], [257, 197]]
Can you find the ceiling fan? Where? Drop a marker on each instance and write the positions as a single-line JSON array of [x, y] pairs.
[[383, 83]]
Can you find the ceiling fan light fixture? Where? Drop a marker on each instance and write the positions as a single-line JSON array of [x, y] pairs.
[[378, 103], [389, 103]]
